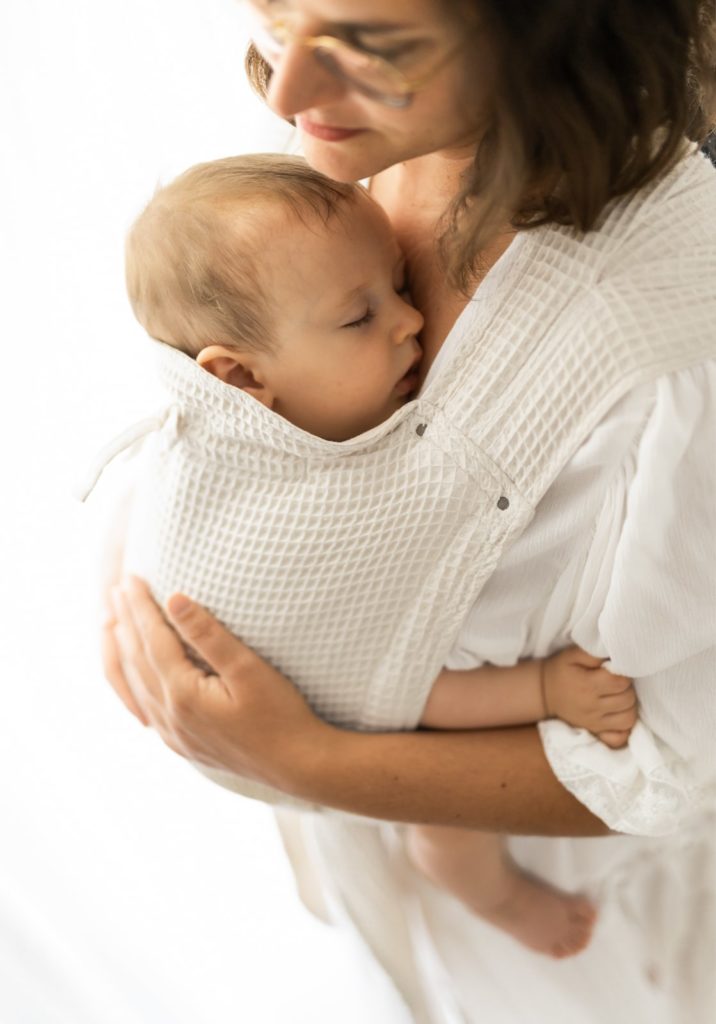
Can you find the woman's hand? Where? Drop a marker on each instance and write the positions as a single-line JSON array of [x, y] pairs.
[[250, 719], [246, 717], [110, 575]]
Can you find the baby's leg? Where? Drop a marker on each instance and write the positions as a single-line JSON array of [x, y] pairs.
[[476, 868]]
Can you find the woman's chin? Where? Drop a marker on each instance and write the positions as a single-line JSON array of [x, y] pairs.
[[347, 161]]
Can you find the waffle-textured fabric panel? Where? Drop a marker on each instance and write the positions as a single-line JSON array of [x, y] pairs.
[[351, 566]]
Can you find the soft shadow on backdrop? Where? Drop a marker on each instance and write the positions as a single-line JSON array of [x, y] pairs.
[[132, 891]]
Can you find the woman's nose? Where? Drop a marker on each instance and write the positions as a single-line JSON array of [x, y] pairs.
[[298, 82]]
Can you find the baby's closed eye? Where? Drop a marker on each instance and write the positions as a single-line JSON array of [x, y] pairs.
[[362, 320]]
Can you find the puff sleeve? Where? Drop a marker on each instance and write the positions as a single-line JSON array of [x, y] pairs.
[[654, 616]]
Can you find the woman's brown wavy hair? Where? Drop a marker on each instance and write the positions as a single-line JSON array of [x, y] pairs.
[[592, 100]]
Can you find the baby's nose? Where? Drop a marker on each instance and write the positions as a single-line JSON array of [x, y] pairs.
[[412, 321]]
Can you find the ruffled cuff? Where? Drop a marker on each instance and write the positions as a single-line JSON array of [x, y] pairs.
[[636, 790]]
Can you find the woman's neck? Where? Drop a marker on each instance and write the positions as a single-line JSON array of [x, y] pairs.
[[427, 184], [415, 195]]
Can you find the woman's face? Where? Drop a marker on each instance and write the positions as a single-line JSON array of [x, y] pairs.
[[350, 136]]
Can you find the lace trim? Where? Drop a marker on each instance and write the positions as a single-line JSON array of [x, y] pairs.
[[633, 794]]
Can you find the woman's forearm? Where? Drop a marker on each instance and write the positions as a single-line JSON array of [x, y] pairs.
[[248, 718], [494, 780]]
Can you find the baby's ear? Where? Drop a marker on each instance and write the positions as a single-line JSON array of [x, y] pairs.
[[239, 369]]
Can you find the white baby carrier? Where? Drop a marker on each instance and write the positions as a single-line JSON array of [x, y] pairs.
[[351, 566]]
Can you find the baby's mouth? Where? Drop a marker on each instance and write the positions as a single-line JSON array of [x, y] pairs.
[[411, 379]]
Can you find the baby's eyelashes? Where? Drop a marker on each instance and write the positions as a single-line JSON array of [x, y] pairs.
[[362, 320]]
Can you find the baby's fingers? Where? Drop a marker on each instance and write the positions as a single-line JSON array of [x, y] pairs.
[[613, 703], [578, 656], [621, 720], [607, 684]]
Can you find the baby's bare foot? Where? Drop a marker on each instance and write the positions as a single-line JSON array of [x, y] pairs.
[[540, 917], [485, 879]]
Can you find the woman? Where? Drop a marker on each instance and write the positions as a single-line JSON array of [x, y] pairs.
[[485, 128]]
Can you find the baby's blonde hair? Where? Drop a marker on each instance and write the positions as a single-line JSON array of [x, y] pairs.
[[192, 263]]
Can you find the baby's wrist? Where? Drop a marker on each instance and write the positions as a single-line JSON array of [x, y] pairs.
[[543, 688], [549, 689]]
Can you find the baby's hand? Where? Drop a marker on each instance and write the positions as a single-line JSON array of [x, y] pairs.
[[579, 691]]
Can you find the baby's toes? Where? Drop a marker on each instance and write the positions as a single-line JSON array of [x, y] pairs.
[[581, 924], [582, 916], [614, 738]]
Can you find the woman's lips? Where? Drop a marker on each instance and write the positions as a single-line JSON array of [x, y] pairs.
[[326, 132]]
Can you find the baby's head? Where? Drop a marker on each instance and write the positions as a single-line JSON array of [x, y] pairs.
[[283, 283]]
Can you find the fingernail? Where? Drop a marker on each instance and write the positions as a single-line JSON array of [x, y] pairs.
[[178, 605]]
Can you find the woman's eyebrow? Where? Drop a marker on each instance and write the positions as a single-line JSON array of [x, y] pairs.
[[372, 27], [354, 26]]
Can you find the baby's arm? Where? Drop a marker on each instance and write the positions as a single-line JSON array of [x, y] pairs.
[[571, 685]]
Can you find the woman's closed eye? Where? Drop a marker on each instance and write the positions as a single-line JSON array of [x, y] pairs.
[[390, 45], [392, 54]]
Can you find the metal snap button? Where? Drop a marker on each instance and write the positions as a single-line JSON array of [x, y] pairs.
[[503, 503]]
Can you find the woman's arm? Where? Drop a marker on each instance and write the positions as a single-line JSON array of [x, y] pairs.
[[109, 575], [493, 780], [250, 719]]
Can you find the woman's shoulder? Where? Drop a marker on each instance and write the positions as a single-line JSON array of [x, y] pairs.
[[666, 226], [671, 216], [647, 293]]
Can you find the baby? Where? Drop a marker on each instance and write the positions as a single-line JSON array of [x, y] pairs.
[[292, 288]]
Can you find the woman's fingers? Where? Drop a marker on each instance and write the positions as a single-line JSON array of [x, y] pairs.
[[114, 671], [159, 646], [143, 680], [219, 648], [244, 716]]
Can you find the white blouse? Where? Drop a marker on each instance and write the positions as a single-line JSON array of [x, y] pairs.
[[621, 559]]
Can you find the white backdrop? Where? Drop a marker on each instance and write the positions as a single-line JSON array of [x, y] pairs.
[[132, 891]]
